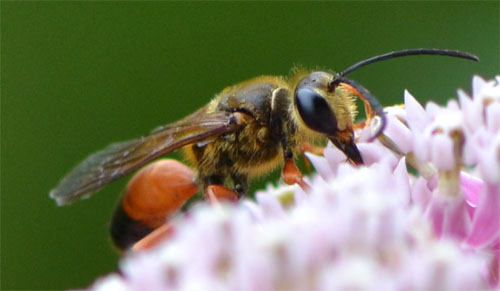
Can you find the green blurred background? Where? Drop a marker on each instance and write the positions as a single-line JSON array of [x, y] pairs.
[[79, 75]]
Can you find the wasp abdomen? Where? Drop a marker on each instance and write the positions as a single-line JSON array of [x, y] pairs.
[[126, 231], [154, 194]]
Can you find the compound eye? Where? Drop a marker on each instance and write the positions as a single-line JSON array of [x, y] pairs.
[[315, 111]]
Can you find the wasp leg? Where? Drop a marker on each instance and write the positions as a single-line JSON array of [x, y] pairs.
[[372, 106], [291, 174], [369, 110], [154, 238], [216, 192], [240, 182], [359, 125]]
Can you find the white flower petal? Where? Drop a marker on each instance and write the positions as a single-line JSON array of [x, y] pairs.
[[493, 117], [478, 84], [321, 165], [399, 134], [442, 152], [417, 117]]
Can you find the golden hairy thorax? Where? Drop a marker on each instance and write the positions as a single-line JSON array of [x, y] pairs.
[[252, 151], [257, 148]]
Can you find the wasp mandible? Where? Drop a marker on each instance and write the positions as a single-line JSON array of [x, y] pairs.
[[246, 131]]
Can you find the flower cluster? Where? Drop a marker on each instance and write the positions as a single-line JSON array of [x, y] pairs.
[[422, 214]]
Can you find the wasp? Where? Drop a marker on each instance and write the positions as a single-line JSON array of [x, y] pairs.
[[246, 131]]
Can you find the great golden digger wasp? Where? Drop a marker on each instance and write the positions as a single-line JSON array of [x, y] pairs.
[[247, 130]]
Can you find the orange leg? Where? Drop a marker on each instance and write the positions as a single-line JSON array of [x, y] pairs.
[[155, 237], [359, 125], [217, 192], [370, 113], [291, 175]]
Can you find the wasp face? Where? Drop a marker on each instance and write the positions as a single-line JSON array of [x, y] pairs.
[[321, 108], [326, 111]]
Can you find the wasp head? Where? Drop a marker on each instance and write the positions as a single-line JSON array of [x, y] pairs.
[[321, 108]]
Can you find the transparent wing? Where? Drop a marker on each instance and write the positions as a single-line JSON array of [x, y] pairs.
[[120, 159]]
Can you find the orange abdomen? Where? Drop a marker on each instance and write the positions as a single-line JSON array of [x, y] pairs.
[[155, 193]]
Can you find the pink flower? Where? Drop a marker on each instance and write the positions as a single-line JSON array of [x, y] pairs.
[[447, 142], [422, 214]]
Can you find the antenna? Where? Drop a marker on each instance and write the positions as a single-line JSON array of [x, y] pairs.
[[409, 52], [364, 94]]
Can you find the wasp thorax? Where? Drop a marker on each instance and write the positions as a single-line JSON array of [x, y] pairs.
[[312, 105]]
